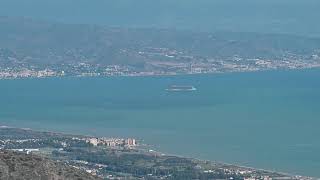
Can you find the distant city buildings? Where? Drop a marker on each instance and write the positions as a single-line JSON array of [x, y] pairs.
[[112, 142], [27, 151], [161, 61], [97, 156], [130, 142], [93, 141]]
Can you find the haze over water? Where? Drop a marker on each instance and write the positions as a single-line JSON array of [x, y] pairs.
[[263, 16], [266, 120]]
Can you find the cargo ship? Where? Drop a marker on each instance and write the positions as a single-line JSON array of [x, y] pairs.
[[181, 88]]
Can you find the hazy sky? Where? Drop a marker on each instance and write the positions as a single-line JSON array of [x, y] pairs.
[[271, 16]]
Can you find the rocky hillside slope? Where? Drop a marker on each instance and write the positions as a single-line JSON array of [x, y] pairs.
[[14, 166]]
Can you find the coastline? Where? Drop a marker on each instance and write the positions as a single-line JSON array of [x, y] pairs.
[[245, 167], [236, 74], [158, 153], [164, 75]]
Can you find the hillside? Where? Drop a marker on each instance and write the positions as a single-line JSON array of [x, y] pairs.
[[34, 42], [22, 166]]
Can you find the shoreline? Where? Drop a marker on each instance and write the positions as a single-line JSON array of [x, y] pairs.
[[242, 166], [151, 151], [164, 75]]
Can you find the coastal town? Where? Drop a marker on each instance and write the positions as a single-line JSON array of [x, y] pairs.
[[123, 158], [163, 61], [115, 51]]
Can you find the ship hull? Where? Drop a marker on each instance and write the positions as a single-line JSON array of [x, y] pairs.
[[181, 89]]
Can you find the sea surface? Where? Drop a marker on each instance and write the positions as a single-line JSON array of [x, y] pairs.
[[268, 120]]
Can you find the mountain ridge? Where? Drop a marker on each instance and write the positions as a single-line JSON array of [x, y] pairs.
[[39, 42]]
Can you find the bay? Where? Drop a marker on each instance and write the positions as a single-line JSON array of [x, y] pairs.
[[266, 120]]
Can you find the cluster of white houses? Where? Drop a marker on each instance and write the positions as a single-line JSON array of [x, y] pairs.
[[112, 142]]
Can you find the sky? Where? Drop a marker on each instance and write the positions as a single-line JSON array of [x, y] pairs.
[[267, 16]]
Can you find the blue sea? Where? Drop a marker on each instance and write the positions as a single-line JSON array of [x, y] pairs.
[[268, 120]]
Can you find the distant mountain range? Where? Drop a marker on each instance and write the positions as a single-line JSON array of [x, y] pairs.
[[25, 41], [298, 17]]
